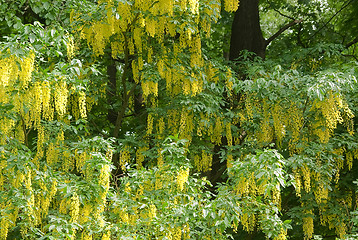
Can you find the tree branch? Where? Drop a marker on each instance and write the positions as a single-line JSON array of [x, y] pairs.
[[350, 55], [122, 111], [284, 28], [24, 130], [345, 4], [283, 15], [354, 41]]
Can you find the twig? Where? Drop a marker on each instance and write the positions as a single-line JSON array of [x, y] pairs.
[[284, 15]]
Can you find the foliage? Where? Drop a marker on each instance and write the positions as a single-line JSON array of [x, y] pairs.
[[123, 120]]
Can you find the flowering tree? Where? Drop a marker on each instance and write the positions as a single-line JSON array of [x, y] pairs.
[[122, 120]]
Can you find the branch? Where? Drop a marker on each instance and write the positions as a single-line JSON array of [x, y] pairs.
[[345, 4], [350, 55], [284, 28], [121, 113], [284, 15], [125, 95], [354, 41], [24, 130]]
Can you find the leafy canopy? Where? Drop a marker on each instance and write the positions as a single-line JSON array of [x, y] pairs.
[[122, 120]]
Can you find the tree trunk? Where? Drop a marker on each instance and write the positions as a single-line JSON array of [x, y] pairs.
[[246, 31], [112, 90], [245, 35]]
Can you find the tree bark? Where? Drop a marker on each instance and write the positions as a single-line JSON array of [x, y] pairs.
[[111, 90], [246, 31]]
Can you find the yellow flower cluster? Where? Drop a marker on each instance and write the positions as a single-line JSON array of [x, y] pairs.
[[321, 193], [320, 131], [97, 36], [74, 207], [246, 185], [30, 202], [123, 215], [204, 163], [349, 159], [32, 102], [176, 233], [248, 221], [152, 21], [339, 159], [229, 83], [341, 229], [308, 224], [84, 213], [173, 120], [334, 111], [266, 131], [51, 154], [149, 87], [150, 124], [282, 235], [80, 159], [207, 159], [82, 104], [334, 221], [160, 127], [231, 5], [229, 160], [4, 227], [8, 218], [106, 236], [228, 134], [216, 133], [6, 127], [211, 73], [152, 211], [182, 178], [70, 47], [104, 177], [186, 125], [37, 103], [124, 157], [278, 123], [140, 157], [27, 66], [306, 174], [295, 124], [7, 68], [250, 105], [9, 214], [47, 108]]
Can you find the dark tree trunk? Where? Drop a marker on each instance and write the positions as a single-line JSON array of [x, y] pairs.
[[245, 35], [246, 31], [111, 90]]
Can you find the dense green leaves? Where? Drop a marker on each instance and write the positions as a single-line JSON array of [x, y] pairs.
[[107, 135]]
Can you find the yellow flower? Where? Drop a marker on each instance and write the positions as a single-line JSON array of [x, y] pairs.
[[308, 225], [182, 178], [106, 236], [231, 5]]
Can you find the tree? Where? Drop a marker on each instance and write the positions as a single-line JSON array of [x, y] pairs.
[[122, 119]]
